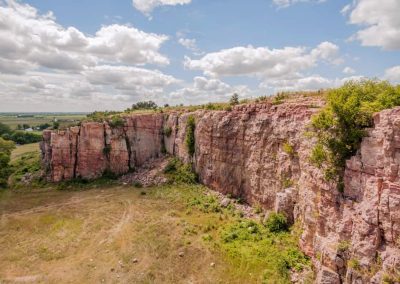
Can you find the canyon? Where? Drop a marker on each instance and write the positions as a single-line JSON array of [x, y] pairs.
[[260, 152]]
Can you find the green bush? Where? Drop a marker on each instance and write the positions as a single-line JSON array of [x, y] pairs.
[[5, 169], [341, 125], [190, 138], [116, 121], [277, 222], [179, 172], [167, 131], [288, 149], [21, 137]]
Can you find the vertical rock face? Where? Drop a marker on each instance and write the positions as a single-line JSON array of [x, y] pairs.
[[260, 153], [94, 148], [92, 160]]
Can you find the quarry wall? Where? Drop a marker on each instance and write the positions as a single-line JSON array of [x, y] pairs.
[[260, 152]]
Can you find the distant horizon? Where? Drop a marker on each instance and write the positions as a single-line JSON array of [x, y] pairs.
[[102, 55]]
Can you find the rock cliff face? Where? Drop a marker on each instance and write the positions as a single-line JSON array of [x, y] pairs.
[[260, 153]]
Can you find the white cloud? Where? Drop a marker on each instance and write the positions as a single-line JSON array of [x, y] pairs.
[[188, 43], [64, 66], [380, 22], [307, 83], [147, 6], [32, 40], [263, 62], [348, 70], [131, 80], [287, 3], [393, 74], [204, 90]]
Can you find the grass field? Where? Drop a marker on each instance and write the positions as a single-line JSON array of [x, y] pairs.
[[122, 234], [23, 149], [64, 119]]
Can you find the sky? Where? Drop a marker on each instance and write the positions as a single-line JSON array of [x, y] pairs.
[[87, 55]]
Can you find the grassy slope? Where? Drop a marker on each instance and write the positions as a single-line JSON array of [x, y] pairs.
[[87, 236], [23, 149]]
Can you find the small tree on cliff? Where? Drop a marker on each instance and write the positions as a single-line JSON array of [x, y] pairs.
[[234, 100]]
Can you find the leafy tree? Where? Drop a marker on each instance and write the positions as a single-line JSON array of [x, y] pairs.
[[144, 105], [21, 137], [4, 129], [5, 152], [56, 125], [341, 125], [234, 100], [44, 126]]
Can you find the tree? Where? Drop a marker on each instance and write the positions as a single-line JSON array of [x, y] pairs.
[[5, 169], [144, 105], [342, 123], [4, 129], [56, 125], [234, 100]]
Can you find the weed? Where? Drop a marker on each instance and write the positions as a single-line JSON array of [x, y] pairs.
[[277, 222]]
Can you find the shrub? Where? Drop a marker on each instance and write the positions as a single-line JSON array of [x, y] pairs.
[[190, 138], [116, 121], [144, 105], [179, 172], [341, 125], [21, 137], [167, 131], [288, 148], [277, 222], [354, 264], [343, 246], [234, 100]]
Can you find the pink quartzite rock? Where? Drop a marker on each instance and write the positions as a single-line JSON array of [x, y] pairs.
[[260, 152]]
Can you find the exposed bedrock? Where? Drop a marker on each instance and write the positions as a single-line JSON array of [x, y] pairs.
[[260, 153]]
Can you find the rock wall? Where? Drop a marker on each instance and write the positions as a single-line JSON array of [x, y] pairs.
[[260, 153], [93, 149]]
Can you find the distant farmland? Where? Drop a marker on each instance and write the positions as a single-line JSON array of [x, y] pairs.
[[35, 119]]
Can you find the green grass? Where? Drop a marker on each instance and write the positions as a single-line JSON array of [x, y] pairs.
[[23, 149], [255, 253]]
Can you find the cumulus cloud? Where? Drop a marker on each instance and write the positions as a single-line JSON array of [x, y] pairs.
[[204, 90], [306, 83], [61, 64], [31, 40], [147, 6], [263, 62], [393, 74], [131, 80], [348, 70], [287, 3], [379, 21]]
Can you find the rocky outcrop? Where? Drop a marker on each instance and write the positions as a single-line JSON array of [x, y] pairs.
[[93, 149], [260, 153]]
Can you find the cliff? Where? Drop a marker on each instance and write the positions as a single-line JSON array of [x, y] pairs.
[[260, 152]]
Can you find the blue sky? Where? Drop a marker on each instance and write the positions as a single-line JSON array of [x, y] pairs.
[[187, 51]]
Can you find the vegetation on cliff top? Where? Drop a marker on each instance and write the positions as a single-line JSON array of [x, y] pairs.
[[341, 125]]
